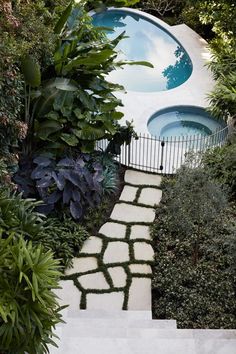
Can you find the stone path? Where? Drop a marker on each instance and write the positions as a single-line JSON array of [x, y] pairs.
[[112, 271]]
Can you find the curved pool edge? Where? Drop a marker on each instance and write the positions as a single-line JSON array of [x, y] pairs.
[[187, 109]]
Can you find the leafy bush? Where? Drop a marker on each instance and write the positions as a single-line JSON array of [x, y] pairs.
[[96, 217], [194, 203], [74, 104], [19, 215], [194, 217], [64, 238], [68, 182], [28, 307], [221, 163], [110, 177]]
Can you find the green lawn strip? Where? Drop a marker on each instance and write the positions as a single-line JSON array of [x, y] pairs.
[[136, 204], [143, 186]]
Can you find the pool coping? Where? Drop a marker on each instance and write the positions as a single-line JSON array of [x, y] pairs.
[[140, 106]]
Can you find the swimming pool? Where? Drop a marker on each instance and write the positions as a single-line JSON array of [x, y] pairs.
[[146, 41], [182, 121]]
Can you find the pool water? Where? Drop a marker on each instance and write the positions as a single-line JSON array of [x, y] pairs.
[[183, 121], [146, 41]]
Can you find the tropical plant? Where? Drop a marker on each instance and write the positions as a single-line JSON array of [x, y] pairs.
[[68, 182], [28, 307], [124, 135], [18, 215], [64, 237], [109, 171], [223, 98], [77, 106]]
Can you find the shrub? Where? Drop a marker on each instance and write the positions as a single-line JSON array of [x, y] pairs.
[[68, 182], [18, 215], [199, 292], [28, 307], [194, 202], [221, 163], [64, 238], [110, 178]]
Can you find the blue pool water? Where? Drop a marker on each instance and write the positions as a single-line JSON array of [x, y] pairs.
[[183, 121], [146, 41]]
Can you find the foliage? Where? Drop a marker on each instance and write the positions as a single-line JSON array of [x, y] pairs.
[[194, 203], [64, 238], [100, 5], [221, 163], [68, 182], [220, 16], [77, 106], [161, 7], [18, 215], [198, 294], [96, 217], [28, 307], [223, 98], [110, 177], [123, 136]]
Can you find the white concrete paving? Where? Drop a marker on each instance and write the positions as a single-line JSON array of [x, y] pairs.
[[68, 295], [82, 264], [118, 275], [140, 231], [92, 245], [115, 235], [142, 178], [128, 194], [132, 213], [93, 281], [140, 294], [143, 251], [150, 196], [140, 268], [116, 252], [109, 301], [113, 230]]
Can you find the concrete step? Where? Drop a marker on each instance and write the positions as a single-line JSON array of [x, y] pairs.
[[67, 331], [93, 323], [96, 314], [145, 346]]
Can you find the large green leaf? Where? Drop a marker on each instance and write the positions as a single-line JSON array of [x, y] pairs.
[[70, 139], [45, 103], [92, 59], [63, 19], [47, 128], [31, 71], [89, 132], [63, 84], [142, 63], [87, 100]]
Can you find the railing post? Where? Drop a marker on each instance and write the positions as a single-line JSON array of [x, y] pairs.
[[162, 154], [129, 148]]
